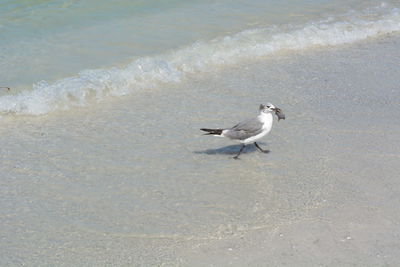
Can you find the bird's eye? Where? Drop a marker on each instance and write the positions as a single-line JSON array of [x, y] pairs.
[[268, 106]]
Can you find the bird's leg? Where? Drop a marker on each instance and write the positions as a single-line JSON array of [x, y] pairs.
[[240, 151], [262, 150]]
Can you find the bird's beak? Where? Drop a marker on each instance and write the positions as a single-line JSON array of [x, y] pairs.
[[279, 114]]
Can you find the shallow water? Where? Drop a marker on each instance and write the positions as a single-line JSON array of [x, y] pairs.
[[136, 173], [87, 54], [108, 166]]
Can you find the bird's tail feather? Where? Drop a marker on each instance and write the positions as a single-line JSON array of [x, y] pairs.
[[212, 131]]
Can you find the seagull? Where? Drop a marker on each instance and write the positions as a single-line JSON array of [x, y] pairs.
[[250, 130]]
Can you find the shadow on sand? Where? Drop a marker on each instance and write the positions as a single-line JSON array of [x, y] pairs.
[[230, 150]]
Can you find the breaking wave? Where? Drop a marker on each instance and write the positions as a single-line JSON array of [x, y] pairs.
[[149, 72]]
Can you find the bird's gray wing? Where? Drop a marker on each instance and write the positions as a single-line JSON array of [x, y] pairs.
[[244, 129]]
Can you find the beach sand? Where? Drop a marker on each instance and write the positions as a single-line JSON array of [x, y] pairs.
[[133, 182]]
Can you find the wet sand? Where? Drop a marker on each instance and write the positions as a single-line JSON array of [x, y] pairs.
[[133, 182]]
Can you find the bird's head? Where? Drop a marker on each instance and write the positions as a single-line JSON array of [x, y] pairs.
[[269, 108]]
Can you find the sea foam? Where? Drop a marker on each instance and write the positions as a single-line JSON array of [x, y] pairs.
[[202, 56]]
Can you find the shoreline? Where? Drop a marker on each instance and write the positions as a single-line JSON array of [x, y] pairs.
[[139, 184]]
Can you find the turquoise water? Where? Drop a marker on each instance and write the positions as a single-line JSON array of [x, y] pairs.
[[102, 159], [52, 51]]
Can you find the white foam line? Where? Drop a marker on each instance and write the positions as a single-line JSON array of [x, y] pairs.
[[146, 73]]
